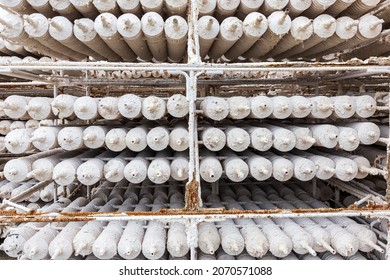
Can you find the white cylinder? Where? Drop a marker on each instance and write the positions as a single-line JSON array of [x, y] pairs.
[[324, 165], [368, 133], [360, 7], [45, 138], [301, 106], [153, 245], [303, 135], [209, 238], [270, 6], [304, 169], [153, 28], [239, 107], [85, 8], [208, 29], [282, 107], [261, 107], [231, 30], [158, 138], [71, 138], [326, 135], [261, 138], [15, 106], [176, 29], [226, 8], [32, 124], [42, 6], [236, 169], [179, 168], [344, 106], [136, 170], [282, 169], [237, 139], [215, 108], [129, 26], [116, 139], [107, 6], [322, 107], [153, 108], [90, 172], [178, 106], [159, 170], [64, 173], [318, 6], [260, 168], [284, 140], [136, 138], [14, 242], [339, 6], [346, 169], [210, 169], [62, 105], [365, 106], [130, 7], [17, 125], [114, 169], [108, 108], [206, 7], [16, 170], [42, 169], [37, 247], [18, 141], [213, 138], [86, 108], [348, 138], [5, 127], [178, 138], [297, 7], [94, 136], [39, 108], [130, 106]]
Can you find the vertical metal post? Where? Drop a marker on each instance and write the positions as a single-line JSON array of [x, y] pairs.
[[192, 237]]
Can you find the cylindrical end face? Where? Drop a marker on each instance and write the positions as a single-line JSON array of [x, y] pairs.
[[39, 108], [208, 28], [231, 29], [207, 7], [261, 139], [86, 108], [159, 171], [239, 107], [210, 169], [136, 171], [16, 170], [116, 139], [237, 139], [84, 29], [346, 169], [282, 107], [70, 138], [370, 26], [236, 169], [324, 26], [152, 24], [255, 24], [36, 25], [214, 139], [178, 139], [62, 105], [346, 27], [177, 106], [106, 25], [60, 28], [60, 249], [348, 139], [344, 106], [260, 168], [283, 169], [90, 172], [261, 107], [365, 106], [108, 108], [158, 138], [279, 23], [215, 108], [129, 25], [176, 27], [304, 169], [179, 169], [136, 139], [15, 106], [64, 173], [94, 136], [46, 138], [302, 106], [301, 28], [153, 108], [130, 106]]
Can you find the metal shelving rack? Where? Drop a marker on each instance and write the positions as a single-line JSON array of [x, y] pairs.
[[190, 77]]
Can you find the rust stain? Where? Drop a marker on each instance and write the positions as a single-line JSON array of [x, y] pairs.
[[192, 202]]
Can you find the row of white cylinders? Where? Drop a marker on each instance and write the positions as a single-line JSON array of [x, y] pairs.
[[256, 237], [65, 106]]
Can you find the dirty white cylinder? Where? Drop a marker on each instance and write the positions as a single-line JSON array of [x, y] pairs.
[[154, 108], [179, 168], [235, 168], [64, 173], [90, 172], [270, 6], [37, 247], [213, 138], [130, 7], [365, 106], [86, 108], [42, 169], [346, 169], [178, 138], [153, 28], [210, 169], [107, 6], [322, 107], [32, 124], [344, 106], [62, 106], [17, 125], [45, 138], [158, 138], [18, 141], [237, 139], [5, 127], [136, 170], [136, 138], [303, 135], [71, 138], [159, 170], [94, 136], [114, 169], [153, 245], [209, 238], [282, 107], [297, 7], [215, 108], [16, 170], [304, 169], [130, 106], [86, 8], [39, 108], [261, 138], [324, 165], [207, 7], [261, 107], [301, 106], [348, 138], [326, 135], [176, 29], [15, 106], [43, 7], [208, 29], [116, 139], [318, 7], [230, 32], [14, 242], [284, 139], [339, 6], [282, 169], [108, 108], [368, 132], [226, 8], [260, 168], [178, 106], [239, 107]]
